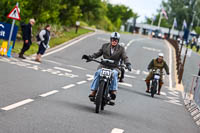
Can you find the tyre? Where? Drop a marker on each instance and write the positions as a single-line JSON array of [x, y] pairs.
[[153, 88], [99, 97]]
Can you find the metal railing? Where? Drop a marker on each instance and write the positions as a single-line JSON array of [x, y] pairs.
[[193, 93]]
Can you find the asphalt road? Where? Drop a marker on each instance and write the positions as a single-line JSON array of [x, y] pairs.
[[52, 97]]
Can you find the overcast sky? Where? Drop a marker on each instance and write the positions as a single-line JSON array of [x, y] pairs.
[[141, 7]]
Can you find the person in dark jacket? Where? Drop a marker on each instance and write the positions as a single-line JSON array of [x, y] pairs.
[[44, 37], [157, 63], [111, 51], [27, 34]]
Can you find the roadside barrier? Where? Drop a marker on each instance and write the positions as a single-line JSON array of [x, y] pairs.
[[192, 99]]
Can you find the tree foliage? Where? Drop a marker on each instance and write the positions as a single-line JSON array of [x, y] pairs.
[[66, 12]]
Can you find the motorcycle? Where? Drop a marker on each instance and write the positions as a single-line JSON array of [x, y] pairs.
[[155, 81], [103, 96]]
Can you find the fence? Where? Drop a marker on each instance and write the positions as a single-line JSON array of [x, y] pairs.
[[192, 99]]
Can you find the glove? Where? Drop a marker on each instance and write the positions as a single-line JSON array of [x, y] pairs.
[[88, 58], [128, 66]]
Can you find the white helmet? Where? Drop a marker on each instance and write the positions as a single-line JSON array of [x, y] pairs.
[[161, 55], [115, 35]]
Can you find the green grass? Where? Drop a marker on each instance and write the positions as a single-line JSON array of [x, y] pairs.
[[66, 36]]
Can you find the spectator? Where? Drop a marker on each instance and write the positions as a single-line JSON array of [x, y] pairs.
[[26, 34], [43, 40], [198, 44], [193, 43]]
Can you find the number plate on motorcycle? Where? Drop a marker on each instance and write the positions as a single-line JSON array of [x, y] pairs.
[[105, 72], [157, 77]]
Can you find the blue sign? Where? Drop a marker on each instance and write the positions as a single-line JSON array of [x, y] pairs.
[[5, 31]]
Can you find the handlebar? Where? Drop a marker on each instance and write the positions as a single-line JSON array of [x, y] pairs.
[[105, 62]]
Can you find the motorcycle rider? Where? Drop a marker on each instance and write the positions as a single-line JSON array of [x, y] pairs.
[[111, 51], [158, 63]]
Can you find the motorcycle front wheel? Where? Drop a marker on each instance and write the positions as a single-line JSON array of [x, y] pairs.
[[99, 97]]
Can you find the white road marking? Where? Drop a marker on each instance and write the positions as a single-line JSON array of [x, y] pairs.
[[77, 67], [173, 102], [163, 93], [117, 130], [125, 84], [145, 73], [71, 75], [68, 86], [81, 82], [170, 65], [90, 76], [68, 45], [89, 79], [33, 62], [14, 59], [33, 67], [129, 43], [129, 76], [53, 62], [174, 94], [173, 98], [152, 49], [17, 104], [63, 69], [49, 93]]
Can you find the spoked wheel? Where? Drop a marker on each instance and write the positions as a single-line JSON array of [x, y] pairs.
[[99, 97]]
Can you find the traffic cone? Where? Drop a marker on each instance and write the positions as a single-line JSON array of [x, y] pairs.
[[3, 50]]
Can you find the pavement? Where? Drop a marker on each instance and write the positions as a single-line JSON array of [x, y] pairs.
[[52, 96]]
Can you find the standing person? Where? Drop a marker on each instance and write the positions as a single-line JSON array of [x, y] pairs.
[[43, 41], [198, 44], [26, 34], [199, 70]]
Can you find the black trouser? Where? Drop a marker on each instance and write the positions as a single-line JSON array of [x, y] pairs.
[[198, 48], [25, 47]]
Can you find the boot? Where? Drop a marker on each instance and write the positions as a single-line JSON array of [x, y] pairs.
[[113, 95], [92, 96], [148, 86], [159, 88], [21, 56]]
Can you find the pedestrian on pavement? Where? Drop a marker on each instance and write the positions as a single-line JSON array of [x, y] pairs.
[[27, 35], [198, 45], [157, 63], [43, 39]]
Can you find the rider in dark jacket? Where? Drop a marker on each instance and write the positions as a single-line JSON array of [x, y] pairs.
[[111, 51]]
